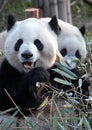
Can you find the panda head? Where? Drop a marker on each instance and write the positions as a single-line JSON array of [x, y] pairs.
[[29, 44], [71, 43]]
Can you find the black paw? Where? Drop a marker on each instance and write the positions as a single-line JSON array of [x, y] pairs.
[[38, 74]]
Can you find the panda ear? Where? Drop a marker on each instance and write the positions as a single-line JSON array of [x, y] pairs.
[[11, 21], [54, 25], [82, 30]]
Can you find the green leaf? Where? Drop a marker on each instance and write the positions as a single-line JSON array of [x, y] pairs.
[[55, 122], [66, 70], [63, 73], [62, 81], [60, 126], [8, 110], [86, 123], [60, 65], [80, 85], [6, 124], [44, 103]]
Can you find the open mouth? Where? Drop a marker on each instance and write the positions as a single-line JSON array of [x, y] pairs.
[[27, 64]]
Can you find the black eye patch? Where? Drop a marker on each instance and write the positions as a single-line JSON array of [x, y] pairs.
[[63, 52], [77, 54], [18, 44], [38, 44]]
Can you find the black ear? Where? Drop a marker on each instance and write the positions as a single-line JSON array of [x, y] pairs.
[[82, 30], [11, 21], [54, 25]]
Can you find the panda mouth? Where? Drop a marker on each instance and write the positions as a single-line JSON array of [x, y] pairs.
[[27, 64]]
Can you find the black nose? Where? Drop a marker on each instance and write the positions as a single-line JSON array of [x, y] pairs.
[[26, 55]]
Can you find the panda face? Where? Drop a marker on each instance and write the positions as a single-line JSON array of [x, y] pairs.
[[28, 53], [29, 44], [64, 52], [72, 47], [71, 44], [70, 58]]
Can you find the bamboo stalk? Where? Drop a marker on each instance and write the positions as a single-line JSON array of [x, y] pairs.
[[69, 18], [46, 8], [41, 6], [53, 8], [62, 10]]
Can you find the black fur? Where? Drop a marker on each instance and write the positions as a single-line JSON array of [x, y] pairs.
[[82, 30], [38, 44], [21, 87], [54, 25], [77, 54], [18, 44], [63, 52], [11, 22]]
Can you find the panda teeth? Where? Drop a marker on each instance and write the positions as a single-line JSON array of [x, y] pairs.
[[28, 65]]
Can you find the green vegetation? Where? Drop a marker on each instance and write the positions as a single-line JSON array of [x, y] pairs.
[[82, 14], [15, 7], [62, 111]]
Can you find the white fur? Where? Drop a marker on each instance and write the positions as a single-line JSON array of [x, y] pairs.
[[69, 38], [31, 29]]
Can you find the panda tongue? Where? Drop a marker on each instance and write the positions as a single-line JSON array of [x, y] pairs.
[[27, 64]]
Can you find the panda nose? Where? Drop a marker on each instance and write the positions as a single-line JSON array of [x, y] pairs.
[[26, 55]]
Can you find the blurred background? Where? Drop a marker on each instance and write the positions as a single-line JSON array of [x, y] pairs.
[[77, 12]]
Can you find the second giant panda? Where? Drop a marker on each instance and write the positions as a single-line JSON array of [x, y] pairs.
[[72, 46], [71, 43]]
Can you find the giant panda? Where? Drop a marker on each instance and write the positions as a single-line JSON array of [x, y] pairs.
[[29, 51], [72, 46], [71, 43]]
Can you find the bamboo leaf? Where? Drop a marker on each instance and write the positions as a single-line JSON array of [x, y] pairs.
[[8, 110], [55, 122], [6, 124], [66, 69], [64, 74], [63, 81], [86, 123], [43, 103], [60, 65], [60, 126], [80, 85]]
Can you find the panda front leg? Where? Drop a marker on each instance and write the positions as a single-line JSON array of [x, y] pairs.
[[38, 74], [26, 92], [21, 87]]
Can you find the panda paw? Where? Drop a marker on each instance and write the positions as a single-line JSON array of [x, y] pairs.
[[38, 74]]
